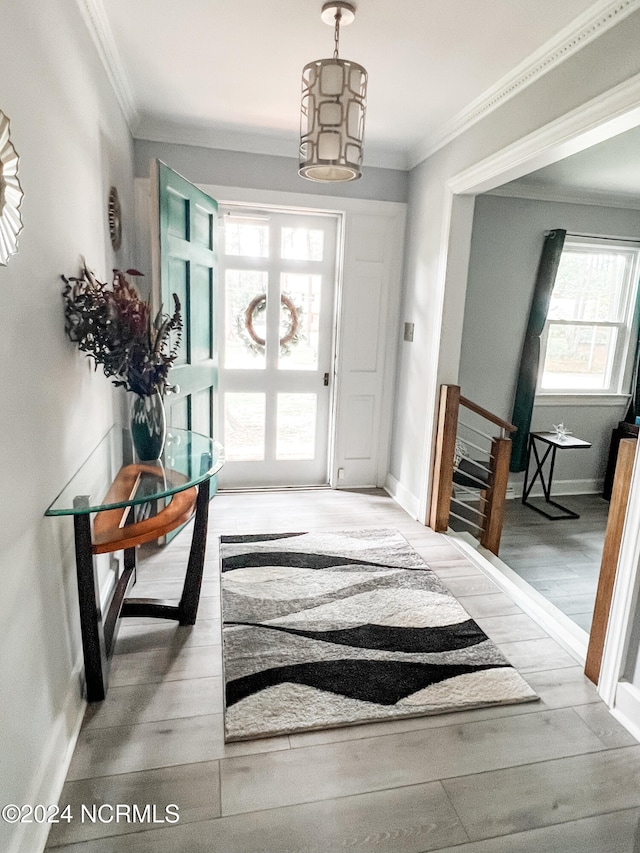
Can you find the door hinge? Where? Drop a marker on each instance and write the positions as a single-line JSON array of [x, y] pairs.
[[325, 380]]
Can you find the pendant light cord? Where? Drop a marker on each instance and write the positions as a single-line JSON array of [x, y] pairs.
[[336, 36]]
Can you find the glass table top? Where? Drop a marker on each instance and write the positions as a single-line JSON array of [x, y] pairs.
[[188, 459]]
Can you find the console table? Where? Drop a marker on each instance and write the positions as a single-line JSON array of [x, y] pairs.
[[131, 503], [554, 443]]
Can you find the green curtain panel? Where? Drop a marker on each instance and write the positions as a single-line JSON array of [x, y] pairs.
[[634, 403], [530, 359]]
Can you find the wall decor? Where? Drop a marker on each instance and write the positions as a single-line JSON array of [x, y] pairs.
[[10, 194], [115, 219]]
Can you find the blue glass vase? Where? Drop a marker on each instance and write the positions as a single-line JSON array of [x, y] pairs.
[[148, 426]]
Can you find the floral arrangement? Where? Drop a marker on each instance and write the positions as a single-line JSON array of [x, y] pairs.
[[115, 328]]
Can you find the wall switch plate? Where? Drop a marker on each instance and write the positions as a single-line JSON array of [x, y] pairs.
[[408, 331]]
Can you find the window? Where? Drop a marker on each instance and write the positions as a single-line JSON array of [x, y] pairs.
[[587, 339]]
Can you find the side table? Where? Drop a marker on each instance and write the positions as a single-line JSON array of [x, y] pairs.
[[135, 502], [553, 443]]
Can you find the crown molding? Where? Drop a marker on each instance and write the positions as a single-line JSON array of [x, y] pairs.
[[606, 115], [97, 23], [568, 195], [599, 18]]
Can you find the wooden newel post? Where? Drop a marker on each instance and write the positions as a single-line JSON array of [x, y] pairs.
[[496, 493], [445, 448], [610, 554]]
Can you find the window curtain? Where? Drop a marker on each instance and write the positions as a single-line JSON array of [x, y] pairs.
[[634, 403], [530, 359]]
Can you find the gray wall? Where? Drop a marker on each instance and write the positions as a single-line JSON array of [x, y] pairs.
[[505, 250], [600, 65], [264, 172], [73, 144]]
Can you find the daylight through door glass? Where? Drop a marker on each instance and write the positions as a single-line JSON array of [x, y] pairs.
[[299, 321], [244, 426], [296, 426], [245, 319]]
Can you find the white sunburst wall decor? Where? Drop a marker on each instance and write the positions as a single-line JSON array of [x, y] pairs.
[[10, 194]]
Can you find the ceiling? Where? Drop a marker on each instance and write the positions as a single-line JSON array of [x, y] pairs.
[[226, 73], [608, 173]]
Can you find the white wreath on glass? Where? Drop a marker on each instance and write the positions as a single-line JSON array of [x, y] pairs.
[[10, 194]]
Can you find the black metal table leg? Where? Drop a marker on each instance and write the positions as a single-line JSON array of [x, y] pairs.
[[188, 607], [91, 627], [546, 484]]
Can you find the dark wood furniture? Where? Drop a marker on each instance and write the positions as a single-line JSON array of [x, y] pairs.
[[553, 443], [622, 431], [132, 503]]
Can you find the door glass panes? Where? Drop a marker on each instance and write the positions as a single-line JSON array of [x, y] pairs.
[[249, 238], [590, 286], [276, 334], [245, 319], [299, 321], [244, 427], [302, 244], [296, 426], [579, 357]]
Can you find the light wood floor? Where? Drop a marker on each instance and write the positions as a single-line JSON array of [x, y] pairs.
[[560, 559], [557, 775]]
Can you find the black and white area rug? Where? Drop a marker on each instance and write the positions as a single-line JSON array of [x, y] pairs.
[[336, 628]]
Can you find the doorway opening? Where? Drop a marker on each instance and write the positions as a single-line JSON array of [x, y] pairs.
[[465, 189], [587, 356]]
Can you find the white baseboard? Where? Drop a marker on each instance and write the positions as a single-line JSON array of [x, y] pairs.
[[402, 496], [558, 487], [54, 766], [626, 707], [557, 624]]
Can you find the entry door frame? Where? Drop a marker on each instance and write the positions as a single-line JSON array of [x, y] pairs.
[[366, 357]]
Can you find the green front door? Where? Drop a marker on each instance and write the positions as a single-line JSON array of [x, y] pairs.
[[186, 261]]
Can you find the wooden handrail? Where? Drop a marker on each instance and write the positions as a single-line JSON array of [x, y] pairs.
[[493, 496], [487, 415]]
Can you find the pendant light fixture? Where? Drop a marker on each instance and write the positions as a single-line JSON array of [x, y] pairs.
[[333, 109]]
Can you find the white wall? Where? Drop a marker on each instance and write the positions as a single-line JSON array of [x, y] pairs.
[[73, 144], [507, 239]]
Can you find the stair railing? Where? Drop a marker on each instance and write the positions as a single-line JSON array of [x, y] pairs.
[[471, 470]]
